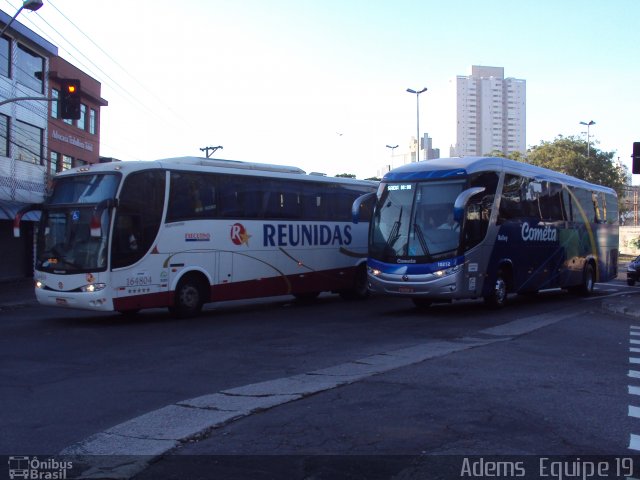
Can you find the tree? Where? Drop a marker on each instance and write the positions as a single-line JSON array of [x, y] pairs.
[[346, 175], [517, 156], [569, 155]]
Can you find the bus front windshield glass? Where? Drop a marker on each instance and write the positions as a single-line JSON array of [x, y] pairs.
[[415, 220], [65, 244]]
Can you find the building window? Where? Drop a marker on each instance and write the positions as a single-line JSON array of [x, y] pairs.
[[92, 121], [79, 163], [68, 121], [82, 121], [30, 68], [67, 162], [28, 142], [4, 136], [55, 159], [5, 57], [54, 104]]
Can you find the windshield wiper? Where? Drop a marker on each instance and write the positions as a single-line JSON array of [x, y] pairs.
[[394, 234], [421, 239]]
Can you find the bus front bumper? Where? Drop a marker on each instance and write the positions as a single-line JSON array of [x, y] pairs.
[[98, 300], [444, 285]]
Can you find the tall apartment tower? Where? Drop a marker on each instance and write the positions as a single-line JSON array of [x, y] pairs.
[[491, 112]]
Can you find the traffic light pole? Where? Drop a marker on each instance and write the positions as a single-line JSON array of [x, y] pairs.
[[17, 99]]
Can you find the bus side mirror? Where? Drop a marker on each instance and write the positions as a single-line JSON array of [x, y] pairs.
[[461, 202], [355, 208], [21, 213]]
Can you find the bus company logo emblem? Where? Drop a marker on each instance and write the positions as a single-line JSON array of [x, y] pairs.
[[239, 235], [539, 234]]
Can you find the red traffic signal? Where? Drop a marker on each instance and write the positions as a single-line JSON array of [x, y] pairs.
[[69, 102]]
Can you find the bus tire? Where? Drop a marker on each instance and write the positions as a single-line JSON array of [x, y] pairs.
[[588, 281], [497, 298], [360, 288], [630, 282], [189, 297]]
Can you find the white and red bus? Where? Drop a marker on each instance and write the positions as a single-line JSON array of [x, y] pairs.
[[181, 232]]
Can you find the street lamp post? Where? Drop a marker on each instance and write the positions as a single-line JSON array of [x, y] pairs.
[[32, 5], [417, 93], [588, 124], [392, 147]]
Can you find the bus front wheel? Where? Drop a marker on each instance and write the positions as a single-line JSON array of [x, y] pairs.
[[188, 299], [497, 298], [360, 289]]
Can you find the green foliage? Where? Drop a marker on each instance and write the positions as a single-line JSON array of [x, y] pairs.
[[346, 175], [374, 179], [635, 243], [569, 155], [517, 156]]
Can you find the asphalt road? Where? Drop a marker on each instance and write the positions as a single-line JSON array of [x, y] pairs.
[[387, 388]]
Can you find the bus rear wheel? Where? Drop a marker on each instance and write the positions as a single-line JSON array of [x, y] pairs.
[[497, 298], [188, 299], [588, 281]]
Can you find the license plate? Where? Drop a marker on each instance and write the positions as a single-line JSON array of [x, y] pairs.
[[61, 301], [405, 289]]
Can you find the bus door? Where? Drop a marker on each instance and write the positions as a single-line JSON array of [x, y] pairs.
[[224, 270]]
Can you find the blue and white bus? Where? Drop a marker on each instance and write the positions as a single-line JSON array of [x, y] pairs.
[[182, 232], [483, 227]]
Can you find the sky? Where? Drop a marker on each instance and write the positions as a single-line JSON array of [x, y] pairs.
[[321, 84]]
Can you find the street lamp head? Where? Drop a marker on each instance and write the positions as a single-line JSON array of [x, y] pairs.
[[591, 122], [392, 146], [418, 92], [32, 5]]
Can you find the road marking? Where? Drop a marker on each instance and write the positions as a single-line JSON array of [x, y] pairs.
[[634, 440], [126, 449]]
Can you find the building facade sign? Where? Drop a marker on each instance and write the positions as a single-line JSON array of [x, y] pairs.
[[70, 139]]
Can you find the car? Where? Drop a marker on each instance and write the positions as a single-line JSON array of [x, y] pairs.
[[633, 272]]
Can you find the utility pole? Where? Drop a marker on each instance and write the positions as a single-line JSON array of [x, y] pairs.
[[212, 149]]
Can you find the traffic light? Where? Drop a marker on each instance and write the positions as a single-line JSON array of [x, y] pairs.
[[69, 105], [636, 158]]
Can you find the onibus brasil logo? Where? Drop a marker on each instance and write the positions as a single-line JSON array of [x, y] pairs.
[[34, 468]]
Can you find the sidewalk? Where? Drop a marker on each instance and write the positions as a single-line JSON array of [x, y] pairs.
[[17, 293]]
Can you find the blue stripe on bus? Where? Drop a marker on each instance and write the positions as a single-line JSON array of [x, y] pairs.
[[414, 268]]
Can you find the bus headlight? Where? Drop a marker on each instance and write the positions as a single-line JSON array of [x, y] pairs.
[[93, 287], [39, 284], [374, 271], [448, 271]]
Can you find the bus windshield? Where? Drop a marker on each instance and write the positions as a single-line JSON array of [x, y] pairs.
[[92, 188], [65, 244], [415, 220]]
